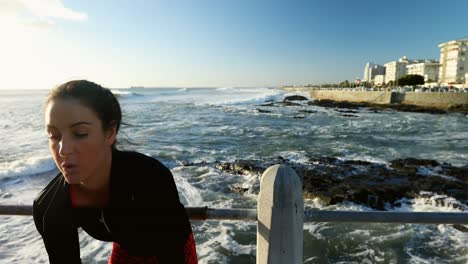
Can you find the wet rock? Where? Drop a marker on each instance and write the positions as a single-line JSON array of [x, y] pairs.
[[283, 103], [299, 117], [356, 162], [288, 103], [241, 167], [6, 195], [269, 104], [414, 108], [238, 189], [347, 111], [307, 111], [375, 107], [459, 173], [262, 111], [375, 185], [411, 162], [346, 115], [336, 104], [295, 98]]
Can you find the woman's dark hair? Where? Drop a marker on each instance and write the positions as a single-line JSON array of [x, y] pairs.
[[97, 98]]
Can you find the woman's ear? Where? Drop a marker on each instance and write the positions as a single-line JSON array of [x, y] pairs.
[[111, 133]]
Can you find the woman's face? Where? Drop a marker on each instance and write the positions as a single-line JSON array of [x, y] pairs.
[[77, 141]]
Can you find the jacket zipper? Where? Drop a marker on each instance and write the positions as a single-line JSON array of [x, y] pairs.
[[104, 221]]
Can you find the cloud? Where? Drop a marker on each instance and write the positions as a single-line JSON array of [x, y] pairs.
[[49, 9], [37, 13]]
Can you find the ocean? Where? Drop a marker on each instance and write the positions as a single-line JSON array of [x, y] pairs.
[[189, 129]]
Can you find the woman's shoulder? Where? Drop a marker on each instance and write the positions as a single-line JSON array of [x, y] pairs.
[[50, 190], [142, 174], [142, 167], [137, 159]]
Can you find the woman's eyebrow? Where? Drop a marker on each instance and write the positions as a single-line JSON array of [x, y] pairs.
[[80, 123]]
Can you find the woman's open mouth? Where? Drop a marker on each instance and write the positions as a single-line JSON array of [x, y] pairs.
[[68, 167]]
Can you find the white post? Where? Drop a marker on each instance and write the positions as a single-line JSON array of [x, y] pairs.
[[280, 217]]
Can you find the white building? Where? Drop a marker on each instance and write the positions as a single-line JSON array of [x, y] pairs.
[[371, 70], [396, 69], [379, 79], [453, 61], [429, 69]]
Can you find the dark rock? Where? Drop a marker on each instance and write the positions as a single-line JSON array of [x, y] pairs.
[[6, 195], [371, 184], [262, 111], [415, 108], [356, 162], [299, 117], [281, 159], [336, 104], [307, 111], [401, 163], [346, 115], [346, 111], [375, 107], [295, 98], [269, 104], [238, 189], [288, 103], [241, 167], [459, 173]]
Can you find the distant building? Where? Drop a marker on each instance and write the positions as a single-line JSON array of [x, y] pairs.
[[429, 69], [453, 61], [396, 69], [371, 70], [379, 79]]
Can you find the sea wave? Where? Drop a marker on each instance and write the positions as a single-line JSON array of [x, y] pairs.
[[27, 166], [247, 100], [125, 94]]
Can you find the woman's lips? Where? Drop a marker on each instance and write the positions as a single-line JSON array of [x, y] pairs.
[[68, 167]]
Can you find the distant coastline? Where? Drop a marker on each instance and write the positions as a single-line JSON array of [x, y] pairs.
[[446, 101]]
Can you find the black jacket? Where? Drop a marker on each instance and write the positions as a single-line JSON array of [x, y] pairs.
[[144, 215]]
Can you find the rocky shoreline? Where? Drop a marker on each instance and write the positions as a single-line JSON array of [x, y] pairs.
[[293, 101], [378, 186]]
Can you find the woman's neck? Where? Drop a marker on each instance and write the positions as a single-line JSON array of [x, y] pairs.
[[94, 192]]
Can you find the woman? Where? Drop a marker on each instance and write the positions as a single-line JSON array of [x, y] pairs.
[[120, 196]]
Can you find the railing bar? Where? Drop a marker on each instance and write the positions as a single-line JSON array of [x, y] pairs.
[[204, 213], [387, 217]]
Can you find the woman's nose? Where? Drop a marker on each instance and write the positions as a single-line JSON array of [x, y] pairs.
[[65, 147]]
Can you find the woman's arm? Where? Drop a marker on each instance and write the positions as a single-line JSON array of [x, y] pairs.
[[54, 223], [163, 222]]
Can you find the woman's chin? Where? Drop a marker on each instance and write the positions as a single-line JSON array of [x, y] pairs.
[[72, 179]]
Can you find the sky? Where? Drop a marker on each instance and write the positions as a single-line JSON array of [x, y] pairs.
[[215, 43]]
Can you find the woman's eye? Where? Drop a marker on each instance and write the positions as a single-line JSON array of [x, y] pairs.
[[81, 135]]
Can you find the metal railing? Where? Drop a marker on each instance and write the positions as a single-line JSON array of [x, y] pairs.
[[207, 213], [280, 216]]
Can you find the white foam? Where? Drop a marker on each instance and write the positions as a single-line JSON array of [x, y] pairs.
[[27, 166], [295, 156], [363, 157], [221, 239], [125, 94], [241, 97], [435, 203], [191, 194]]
